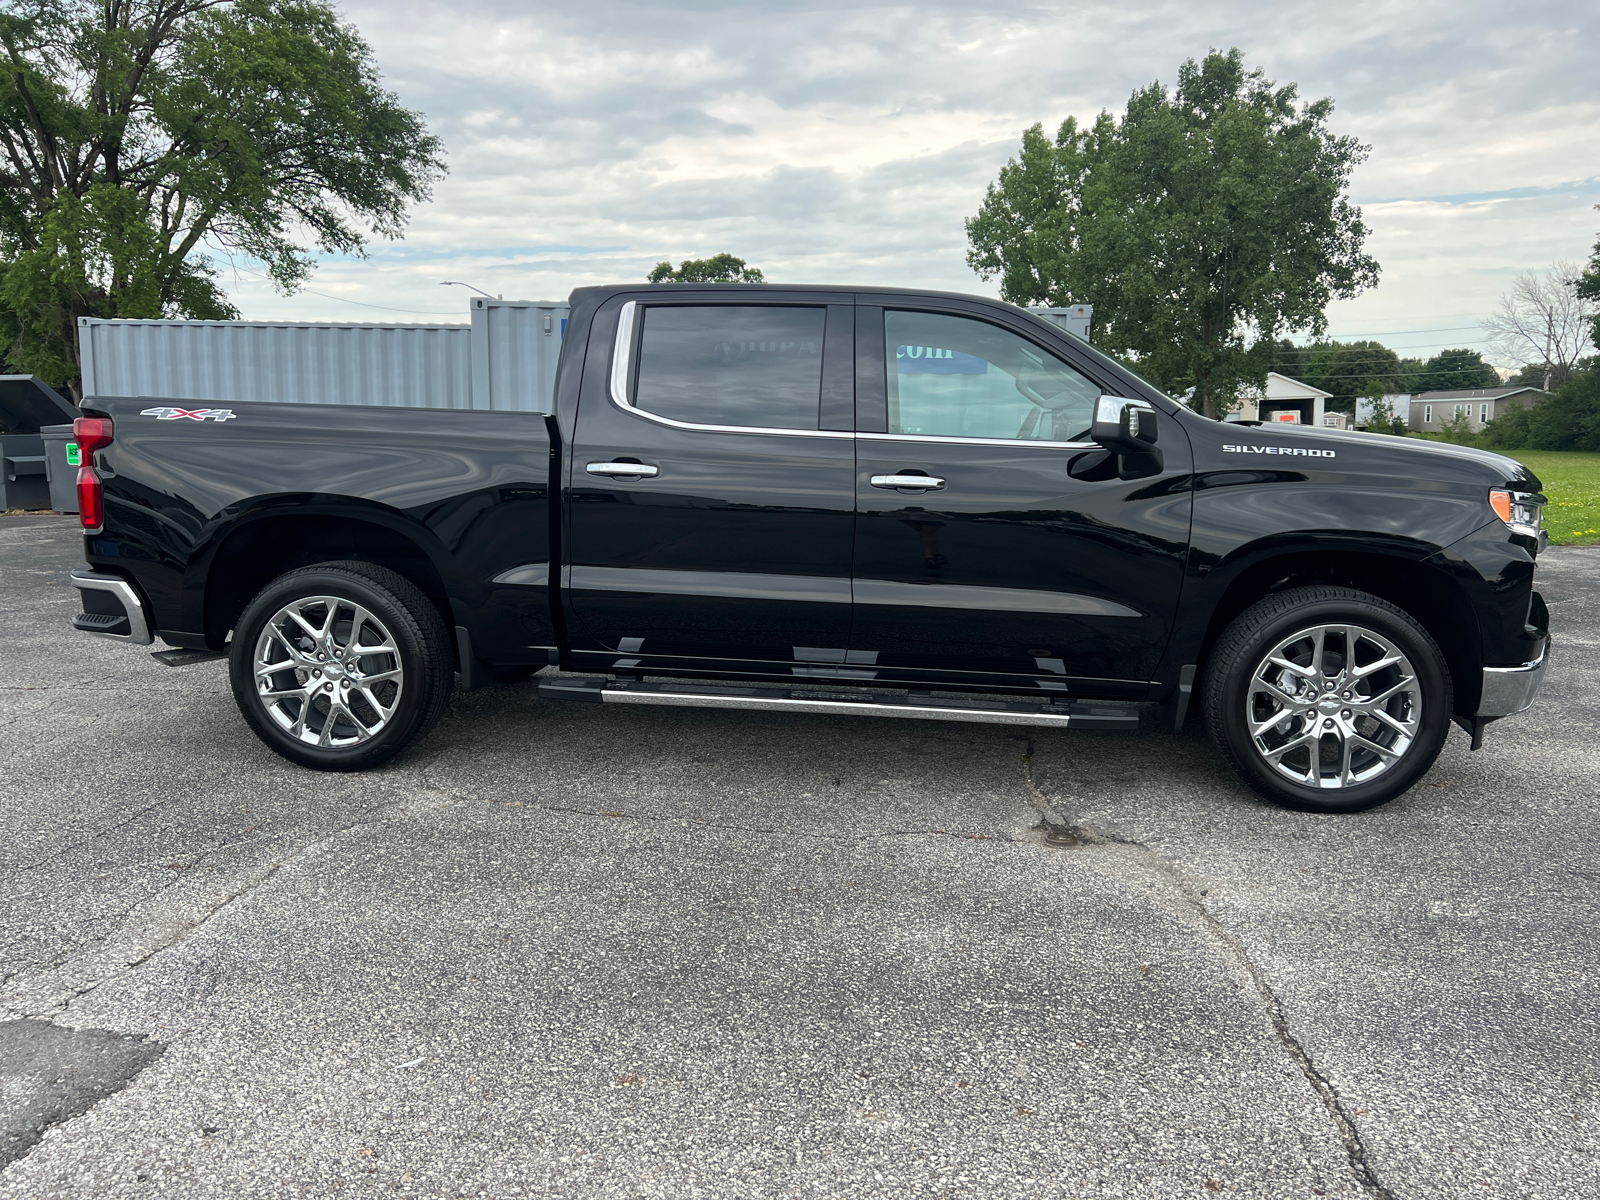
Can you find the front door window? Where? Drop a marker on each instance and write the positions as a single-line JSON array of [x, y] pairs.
[[956, 377]]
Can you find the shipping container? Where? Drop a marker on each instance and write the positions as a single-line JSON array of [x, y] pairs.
[[504, 359]]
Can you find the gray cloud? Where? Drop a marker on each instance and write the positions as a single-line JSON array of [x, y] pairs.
[[831, 142]]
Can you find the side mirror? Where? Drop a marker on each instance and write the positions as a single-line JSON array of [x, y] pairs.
[[1126, 426]]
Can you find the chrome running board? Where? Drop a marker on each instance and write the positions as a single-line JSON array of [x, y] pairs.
[[992, 710]]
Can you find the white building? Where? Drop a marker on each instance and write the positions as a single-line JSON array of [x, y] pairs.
[[1284, 399], [1399, 403]]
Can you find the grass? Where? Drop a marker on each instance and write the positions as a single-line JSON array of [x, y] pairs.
[[1571, 480]]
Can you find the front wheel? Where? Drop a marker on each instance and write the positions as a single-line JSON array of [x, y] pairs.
[[339, 666], [1327, 699]]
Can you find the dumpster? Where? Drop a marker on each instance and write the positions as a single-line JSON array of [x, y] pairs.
[[22, 478], [26, 404], [61, 463]]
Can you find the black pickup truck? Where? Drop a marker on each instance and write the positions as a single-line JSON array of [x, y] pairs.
[[873, 502]]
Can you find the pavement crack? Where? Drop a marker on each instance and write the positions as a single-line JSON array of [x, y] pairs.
[[753, 829], [727, 827], [1157, 871], [172, 915]]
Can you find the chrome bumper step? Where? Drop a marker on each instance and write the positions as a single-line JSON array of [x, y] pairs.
[[119, 614], [847, 702]]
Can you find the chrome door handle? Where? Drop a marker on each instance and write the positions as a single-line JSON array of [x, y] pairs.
[[907, 481], [619, 470]]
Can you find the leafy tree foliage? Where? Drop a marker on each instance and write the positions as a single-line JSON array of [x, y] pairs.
[[719, 268], [1454, 370], [1567, 419], [1588, 288], [1200, 224], [135, 134], [1346, 370], [1350, 369], [1532, 375]]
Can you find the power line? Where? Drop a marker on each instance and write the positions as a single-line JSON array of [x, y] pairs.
[[424, 312], [421, 312], [1366, 355], [1396, 332]]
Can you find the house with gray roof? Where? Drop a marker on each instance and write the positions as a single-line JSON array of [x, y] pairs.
[[1432, 411]]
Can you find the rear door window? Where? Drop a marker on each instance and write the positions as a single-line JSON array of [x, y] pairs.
[[956, 377], [754, 366]]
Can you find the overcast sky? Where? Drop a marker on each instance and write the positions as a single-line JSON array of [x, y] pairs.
[[845, 144]]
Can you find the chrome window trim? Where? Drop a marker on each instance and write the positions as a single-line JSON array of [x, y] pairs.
[[972, 441], [621, 364]]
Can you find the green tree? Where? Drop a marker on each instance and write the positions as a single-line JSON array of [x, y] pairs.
[[719, 268], [1457, 370], [136, 134], [1346, 369], [1199, 224], [1567, 419], [1588, 288]]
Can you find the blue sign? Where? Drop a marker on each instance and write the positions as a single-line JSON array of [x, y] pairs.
[[934, 360]]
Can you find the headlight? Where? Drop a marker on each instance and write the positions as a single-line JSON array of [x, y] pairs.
[[1520, 510]]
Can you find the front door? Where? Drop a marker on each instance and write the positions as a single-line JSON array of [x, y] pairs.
[[712, 479], [976, 551]]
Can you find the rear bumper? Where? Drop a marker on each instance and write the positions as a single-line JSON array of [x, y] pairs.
[[111, 608], [1510, 690]]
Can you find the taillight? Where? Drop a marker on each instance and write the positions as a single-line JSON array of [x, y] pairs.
[[91, 499], [92, 433]]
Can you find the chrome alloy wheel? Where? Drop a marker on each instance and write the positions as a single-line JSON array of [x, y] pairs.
[[1333, 706], [328, 672]]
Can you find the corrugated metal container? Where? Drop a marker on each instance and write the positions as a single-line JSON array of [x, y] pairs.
[[410, 366], [1074, 318], [505, 359], [515, 344]]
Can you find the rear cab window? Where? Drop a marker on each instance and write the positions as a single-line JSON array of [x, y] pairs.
[[749, 366]]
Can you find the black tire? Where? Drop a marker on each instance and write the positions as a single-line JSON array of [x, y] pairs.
[[1244, 689], [421, 660]]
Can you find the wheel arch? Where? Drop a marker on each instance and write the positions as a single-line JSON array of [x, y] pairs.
[[261, 545], [1429, 594]]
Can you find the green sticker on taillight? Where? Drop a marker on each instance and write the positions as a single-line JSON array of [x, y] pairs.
[[74, 455]]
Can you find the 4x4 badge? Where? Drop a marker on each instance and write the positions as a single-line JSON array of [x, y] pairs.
[[194, 414]]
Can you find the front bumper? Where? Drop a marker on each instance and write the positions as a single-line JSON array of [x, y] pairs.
[[111, 608], [1510, 690]]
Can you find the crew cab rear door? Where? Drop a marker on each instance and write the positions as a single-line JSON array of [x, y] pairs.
[[712, 477], [978, 553]]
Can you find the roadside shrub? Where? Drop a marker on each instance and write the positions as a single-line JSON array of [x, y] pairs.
[[1567, 419], [1510, 431], [1458, 430]]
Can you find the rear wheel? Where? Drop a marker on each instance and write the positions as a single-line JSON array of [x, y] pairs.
[[1328, 699], [341, 665]]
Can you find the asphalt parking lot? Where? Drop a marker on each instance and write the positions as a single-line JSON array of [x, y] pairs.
[[566, 950]]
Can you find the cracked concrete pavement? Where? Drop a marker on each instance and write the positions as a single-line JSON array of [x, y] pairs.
[[570, 950]]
